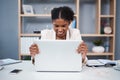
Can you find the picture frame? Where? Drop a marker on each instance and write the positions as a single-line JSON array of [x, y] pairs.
[[28, 9]]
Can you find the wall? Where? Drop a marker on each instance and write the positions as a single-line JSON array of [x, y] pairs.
[[9, 29], [117, 49]]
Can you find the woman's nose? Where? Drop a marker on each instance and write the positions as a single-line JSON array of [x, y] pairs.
[[60, 29]]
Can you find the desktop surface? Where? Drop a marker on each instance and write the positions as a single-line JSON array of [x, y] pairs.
[[28, 73]]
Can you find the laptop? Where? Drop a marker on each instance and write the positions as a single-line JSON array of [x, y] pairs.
[[58, 55]]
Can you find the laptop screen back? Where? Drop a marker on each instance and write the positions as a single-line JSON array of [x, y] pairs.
[[58, 55]]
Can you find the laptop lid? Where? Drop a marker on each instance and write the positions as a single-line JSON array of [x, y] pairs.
[[58, 55]]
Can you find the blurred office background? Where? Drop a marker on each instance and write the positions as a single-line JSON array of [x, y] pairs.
[[9, 29]]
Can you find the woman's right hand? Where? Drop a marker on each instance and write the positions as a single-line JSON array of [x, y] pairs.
[[34, 49]]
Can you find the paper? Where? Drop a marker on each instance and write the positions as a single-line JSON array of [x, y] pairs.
[[101, 62], [106, 61], [8, 61], [94, 63], [1, 67]]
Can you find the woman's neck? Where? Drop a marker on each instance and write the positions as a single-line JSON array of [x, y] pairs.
[[61, 38]]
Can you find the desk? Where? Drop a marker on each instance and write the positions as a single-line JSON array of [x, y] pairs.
[[28, 73]]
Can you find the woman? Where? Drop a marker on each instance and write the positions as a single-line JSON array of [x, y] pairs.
[[61, 19]]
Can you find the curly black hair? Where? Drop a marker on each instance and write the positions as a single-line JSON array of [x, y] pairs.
[[64, 12]]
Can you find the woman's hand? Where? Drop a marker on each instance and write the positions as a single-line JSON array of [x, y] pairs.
[[83, 49], [34, 50]]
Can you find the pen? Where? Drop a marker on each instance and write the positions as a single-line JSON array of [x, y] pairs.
[[33, 60]]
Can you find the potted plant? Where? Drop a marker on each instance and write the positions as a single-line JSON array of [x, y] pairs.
[[98, 48]]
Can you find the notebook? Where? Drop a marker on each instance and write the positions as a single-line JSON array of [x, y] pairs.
[[100, 62], [58, 55], [8, 61]]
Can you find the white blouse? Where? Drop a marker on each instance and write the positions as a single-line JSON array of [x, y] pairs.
[[72, 34]]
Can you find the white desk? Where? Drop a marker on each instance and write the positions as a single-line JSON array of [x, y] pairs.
[[28, 73]]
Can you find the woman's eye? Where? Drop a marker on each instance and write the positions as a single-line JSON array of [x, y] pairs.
[[63, 25], [56, 25]]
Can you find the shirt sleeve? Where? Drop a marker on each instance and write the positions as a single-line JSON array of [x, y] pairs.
[[75, 34], [44, 34]]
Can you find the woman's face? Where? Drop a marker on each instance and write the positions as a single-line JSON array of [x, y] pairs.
[[61, 27]]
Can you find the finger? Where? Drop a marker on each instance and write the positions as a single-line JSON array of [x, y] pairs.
[[83, 55], [34, 51], [83, 46], [82, 50], [83, 43], [33, 45], [78, 51], [32, 54]]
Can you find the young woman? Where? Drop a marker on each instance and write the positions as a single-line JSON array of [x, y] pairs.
[[61, 19]]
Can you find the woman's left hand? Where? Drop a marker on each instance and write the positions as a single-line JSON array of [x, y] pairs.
[[83, 49]]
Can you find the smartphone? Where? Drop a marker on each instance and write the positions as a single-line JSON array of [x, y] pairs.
[[16, 71]]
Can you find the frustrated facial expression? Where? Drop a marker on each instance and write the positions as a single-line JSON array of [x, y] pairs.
[[61, 27]]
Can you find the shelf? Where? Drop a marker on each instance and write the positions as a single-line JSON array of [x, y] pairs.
[[107, 16], [32, 35], [97, 35], [90, 16], [88, 54], [25, 54], [37, 15], [99, 54], [83, 35]]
